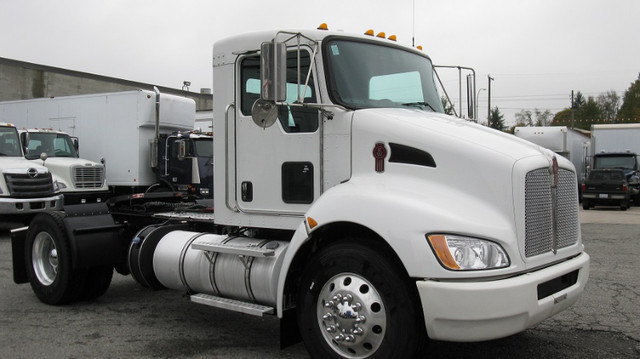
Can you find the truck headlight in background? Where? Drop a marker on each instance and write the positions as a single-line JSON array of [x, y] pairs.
[[465, 253], [58, 186]]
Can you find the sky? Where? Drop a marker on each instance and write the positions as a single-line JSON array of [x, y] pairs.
[[537, 51]]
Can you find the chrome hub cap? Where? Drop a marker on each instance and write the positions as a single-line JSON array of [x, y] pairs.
[[351, 315], [44, 258]]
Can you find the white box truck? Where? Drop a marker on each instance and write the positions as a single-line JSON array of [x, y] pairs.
[[342, 206], [79, 180], [569, 143], [137, 136]]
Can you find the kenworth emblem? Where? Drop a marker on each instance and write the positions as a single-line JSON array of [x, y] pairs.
[[379, 154], [32, 172], [554, 173]]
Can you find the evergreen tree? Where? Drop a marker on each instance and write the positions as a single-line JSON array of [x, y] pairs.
[[496, 119], [630, 108]]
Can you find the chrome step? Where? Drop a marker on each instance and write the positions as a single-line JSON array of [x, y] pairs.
[[232, 304], [231, 249]]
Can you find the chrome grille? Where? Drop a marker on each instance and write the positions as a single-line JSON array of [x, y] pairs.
[[88, 177], [25, 186], [539, 212]]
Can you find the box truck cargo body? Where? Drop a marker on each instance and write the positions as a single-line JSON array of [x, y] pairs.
[[562, 140], [116, 129]]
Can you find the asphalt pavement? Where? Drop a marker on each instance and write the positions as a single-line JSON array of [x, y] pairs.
[[131, 321]]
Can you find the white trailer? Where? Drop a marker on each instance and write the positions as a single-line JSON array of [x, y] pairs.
[[115, 129], [562, 140], [343, 206], [615, 138]]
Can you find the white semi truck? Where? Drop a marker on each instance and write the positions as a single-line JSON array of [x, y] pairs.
[[137, 136], [26, 188], [343, 205], [79, 180]]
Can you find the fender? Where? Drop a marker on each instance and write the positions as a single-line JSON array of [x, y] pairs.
[[402, 215]]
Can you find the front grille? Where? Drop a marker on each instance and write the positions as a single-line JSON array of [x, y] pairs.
[[539, 212], [88, 177], [25, 186]]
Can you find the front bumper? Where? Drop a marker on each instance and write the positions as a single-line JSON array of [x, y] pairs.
[[477, 311], [30, 205]]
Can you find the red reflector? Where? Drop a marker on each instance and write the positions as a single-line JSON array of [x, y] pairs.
[[138, 195]]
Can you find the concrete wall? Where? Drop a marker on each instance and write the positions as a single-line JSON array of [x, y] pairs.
[[23, 80]]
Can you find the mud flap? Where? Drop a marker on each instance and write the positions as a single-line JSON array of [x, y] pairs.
[[93, 234], [18, 237]]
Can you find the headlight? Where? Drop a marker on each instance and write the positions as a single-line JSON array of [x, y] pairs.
[[58, 186], [465, 253]]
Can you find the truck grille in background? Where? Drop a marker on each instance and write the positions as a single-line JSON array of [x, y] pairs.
[[24, 186], [539, 219], [88, 177]]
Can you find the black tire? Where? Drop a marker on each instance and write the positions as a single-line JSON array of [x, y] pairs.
[[393, 323], [585, 204], [48, 261], [97, 282]]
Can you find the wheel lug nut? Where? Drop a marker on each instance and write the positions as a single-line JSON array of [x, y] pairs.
[[361, 319], [350, 339], [358, 331], [348, 297], [329, 304], [337, 297], [327, 316], [331, 329], [339, 338], [358, 307]]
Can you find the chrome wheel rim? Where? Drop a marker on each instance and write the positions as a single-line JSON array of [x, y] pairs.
[[351, 315], [45, 258]]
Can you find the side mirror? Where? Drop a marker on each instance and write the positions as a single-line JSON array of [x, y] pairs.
[[273, 71], [76, 143], [24, 140], [182, 149]]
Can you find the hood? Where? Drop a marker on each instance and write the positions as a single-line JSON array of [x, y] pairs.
[[19, 165]]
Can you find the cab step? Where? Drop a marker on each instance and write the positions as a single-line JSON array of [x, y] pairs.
[[232, 304]]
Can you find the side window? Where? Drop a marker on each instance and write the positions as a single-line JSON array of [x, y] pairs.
[[292, 118]]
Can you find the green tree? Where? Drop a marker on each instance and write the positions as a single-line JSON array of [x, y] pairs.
[[578, 100], [496, 119], [609, 103], [543, 118], [523, 118], [630, 108], [590, 110]]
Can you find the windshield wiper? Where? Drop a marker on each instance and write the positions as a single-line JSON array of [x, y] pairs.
[[420, 105]]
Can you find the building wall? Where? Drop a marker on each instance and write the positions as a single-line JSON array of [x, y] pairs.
[[23, 80]]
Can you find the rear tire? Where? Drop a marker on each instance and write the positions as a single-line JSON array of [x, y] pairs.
[[354, 302], [97, 282], [48, 261]]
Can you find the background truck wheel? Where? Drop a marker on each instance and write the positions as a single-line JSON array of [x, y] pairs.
[[48, 261], [97, 282], [353, 302]]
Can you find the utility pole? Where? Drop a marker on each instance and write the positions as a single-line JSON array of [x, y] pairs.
[[489, 94], [572, 106]]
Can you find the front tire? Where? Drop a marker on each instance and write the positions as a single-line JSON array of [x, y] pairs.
[[353, 302], [48, 260]]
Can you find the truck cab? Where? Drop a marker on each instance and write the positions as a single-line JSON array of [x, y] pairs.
[[186, 162], [80, 180], [26, 188]]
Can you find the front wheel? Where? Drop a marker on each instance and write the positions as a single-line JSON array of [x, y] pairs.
[[355, 303]]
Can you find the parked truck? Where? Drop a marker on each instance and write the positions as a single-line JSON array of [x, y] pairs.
[[569, 143], [342, 205], [79, 180], [26, 188], [618, 146], [137, 135]]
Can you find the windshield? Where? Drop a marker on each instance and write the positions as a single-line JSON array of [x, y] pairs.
[[366, 75], [204, 147], [614, 162], [9, 142], [53, 144]]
